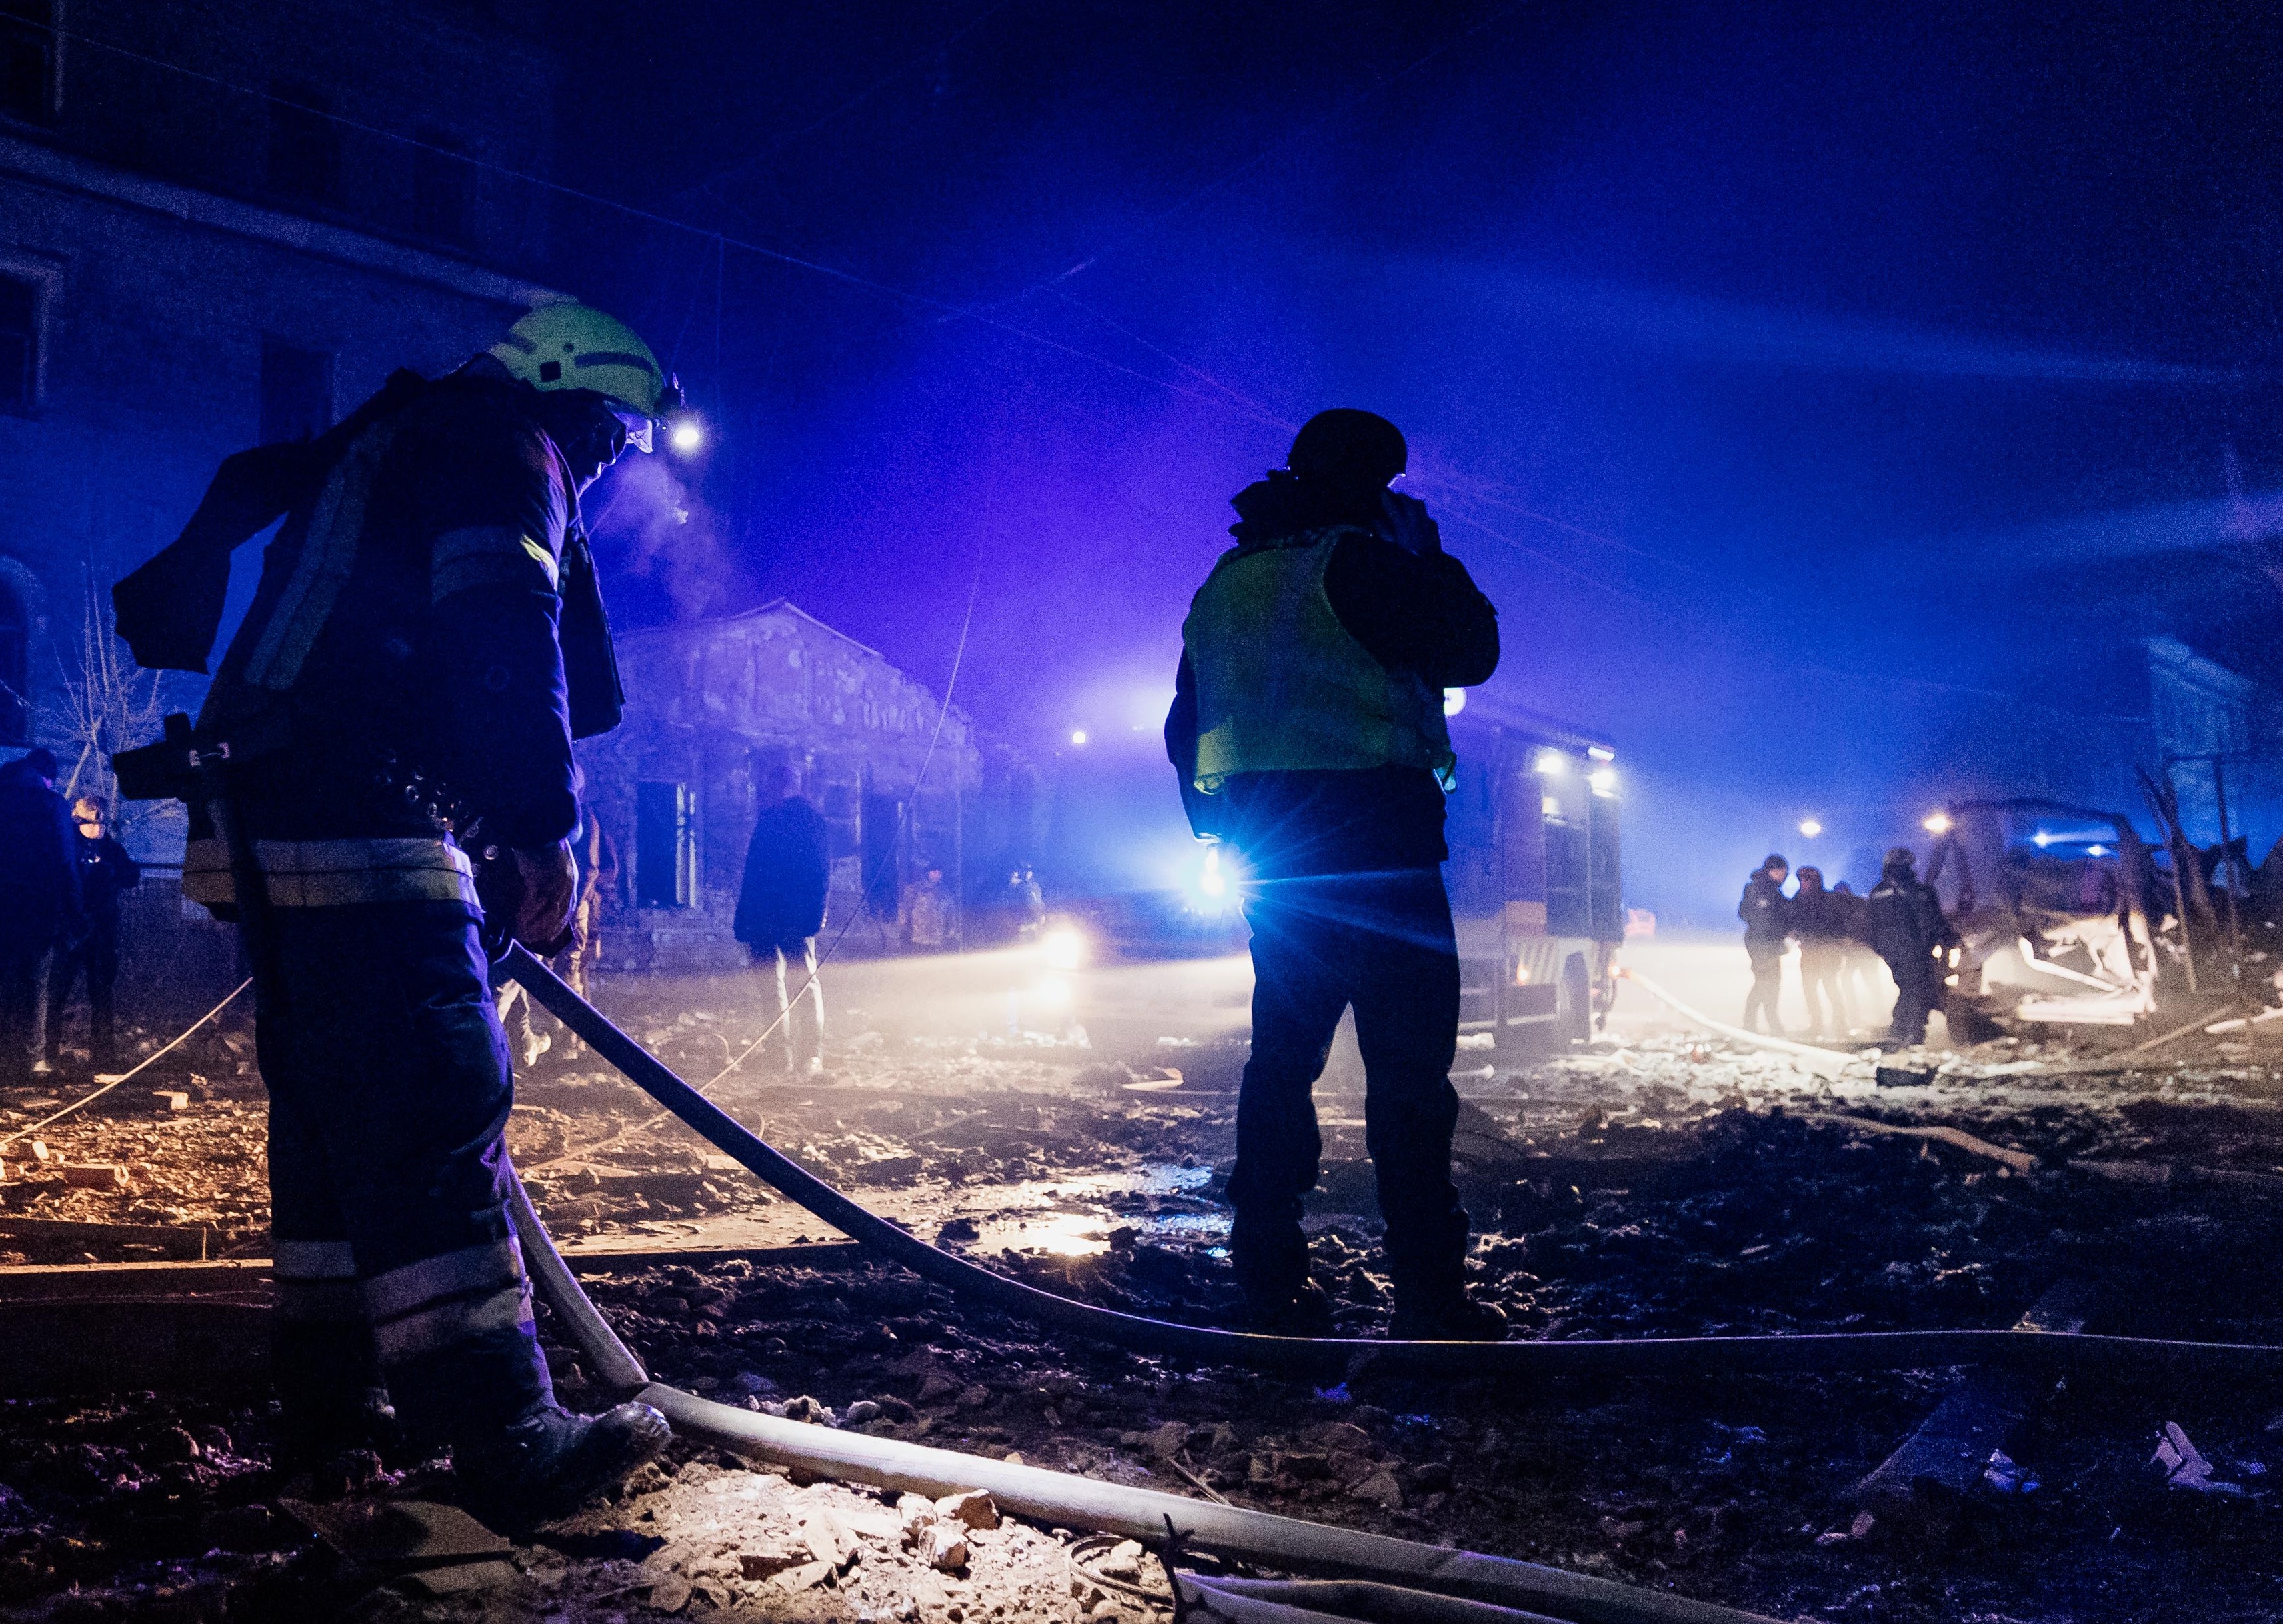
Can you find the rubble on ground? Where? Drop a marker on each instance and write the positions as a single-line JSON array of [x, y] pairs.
[[1668, 1187]]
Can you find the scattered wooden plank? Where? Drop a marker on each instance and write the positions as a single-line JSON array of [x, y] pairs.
[[2175, 1175], [1916, 1492], [815, 1254], [80, 1282], [57, 1349], [58, 1234], [2020, 1161], [28, 1283]]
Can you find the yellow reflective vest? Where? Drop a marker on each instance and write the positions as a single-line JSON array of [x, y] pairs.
[[1283, 687]]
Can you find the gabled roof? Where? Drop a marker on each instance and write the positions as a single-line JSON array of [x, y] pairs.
[[773, 606], [786, 606]]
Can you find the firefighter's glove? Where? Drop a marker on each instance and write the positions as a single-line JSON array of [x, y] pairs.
[[1409, 525], [551, 891]]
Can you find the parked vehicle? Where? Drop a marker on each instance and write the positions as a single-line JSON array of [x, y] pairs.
[[1535, 877]]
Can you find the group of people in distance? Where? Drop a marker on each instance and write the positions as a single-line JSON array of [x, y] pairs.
[[1901, 921], [63, 875]]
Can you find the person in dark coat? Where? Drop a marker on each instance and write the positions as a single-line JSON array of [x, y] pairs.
[[780, 905], [1855, 959], [1766, 913], [1307, 730], [1819, 920], [1024, 904], [105, 874], [1905, 925], [39, 904]]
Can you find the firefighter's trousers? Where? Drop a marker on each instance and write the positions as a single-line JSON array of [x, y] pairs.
[[389, 1093], [1918, 994], [1382, 944]]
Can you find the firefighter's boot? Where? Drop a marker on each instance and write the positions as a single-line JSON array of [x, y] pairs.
[[549, 1462], [1457, 1318], [1303, 1311]]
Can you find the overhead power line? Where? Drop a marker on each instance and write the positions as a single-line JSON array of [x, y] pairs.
[[1218, 394], [846, 107]]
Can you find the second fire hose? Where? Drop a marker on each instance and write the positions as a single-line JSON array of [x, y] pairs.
[[2140, 1357]]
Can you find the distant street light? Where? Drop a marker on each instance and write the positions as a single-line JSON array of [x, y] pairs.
[[1809, 828], [1938, 824]]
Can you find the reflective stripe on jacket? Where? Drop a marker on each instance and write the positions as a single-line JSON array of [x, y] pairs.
[[333, 874], [1283, 687]]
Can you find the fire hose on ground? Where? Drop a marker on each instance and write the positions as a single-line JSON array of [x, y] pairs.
[[1871, 1350], [1825, 1063], [1379, 1576], [1413, 1580]]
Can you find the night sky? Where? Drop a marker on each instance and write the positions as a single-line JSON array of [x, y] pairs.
[[1783, 378]]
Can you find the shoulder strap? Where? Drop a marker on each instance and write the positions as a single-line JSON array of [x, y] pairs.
[[170, 608]]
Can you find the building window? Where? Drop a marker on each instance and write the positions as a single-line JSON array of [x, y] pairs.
[[884, 855], [28, 58], [297, 391], [15, 667], [665, 846], [305, 144], [443, 190], [839, 809], [20, 343]]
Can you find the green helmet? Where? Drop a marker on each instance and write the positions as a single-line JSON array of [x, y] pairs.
[[577, 347]]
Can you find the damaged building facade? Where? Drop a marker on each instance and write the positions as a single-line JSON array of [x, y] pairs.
[[715, 707], [2217, 712], [192, 263], [200, 260]]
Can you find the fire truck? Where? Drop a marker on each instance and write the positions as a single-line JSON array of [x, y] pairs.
[[1534, 874]]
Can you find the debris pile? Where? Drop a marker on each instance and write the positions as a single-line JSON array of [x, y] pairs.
[[1675, 1187]]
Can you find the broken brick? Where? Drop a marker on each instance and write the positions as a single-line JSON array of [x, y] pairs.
[[974, 1508]]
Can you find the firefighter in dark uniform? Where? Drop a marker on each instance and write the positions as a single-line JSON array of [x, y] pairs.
[[1307, 729], [1904, 922], [425, 640]]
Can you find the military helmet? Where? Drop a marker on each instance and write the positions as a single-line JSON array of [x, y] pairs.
[[573, 346], [1345, 445]]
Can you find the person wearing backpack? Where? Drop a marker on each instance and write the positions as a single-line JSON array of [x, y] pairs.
[[425, 642]]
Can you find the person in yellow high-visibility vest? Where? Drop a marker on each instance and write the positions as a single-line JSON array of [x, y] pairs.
[[1307, 729]]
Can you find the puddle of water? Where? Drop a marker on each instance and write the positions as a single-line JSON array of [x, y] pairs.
[[1067, 1219], [1060, 1234]]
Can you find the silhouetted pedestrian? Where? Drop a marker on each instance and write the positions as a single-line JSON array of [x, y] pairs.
[[1855, 959], [1819, 920], [39, 904], [781, 905], [105, 874], [1024, 904], [1904, 922], [927, 912], [1308, 732], [1766, 913]]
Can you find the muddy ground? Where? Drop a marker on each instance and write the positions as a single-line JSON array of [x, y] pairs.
[[1667, 1186]]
